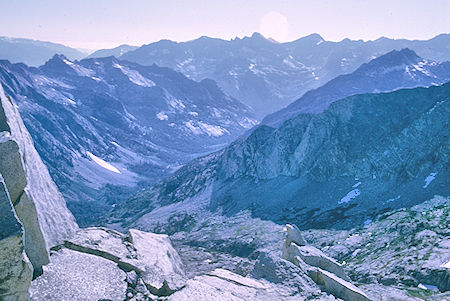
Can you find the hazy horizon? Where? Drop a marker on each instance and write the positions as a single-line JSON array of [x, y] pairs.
[[241, 37], [107, 24]]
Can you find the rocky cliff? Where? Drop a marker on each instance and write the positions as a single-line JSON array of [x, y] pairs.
[[26, 184]]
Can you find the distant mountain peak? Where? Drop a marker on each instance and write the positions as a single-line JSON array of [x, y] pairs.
[[59, 57], [257, 35], [405, 53], [313, 38], [404, 56]]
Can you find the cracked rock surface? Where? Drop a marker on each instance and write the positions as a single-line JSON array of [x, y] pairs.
[[73, 275]]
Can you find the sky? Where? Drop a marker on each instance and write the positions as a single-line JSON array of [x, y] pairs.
[[95, 24]]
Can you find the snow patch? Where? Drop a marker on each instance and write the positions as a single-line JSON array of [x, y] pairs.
[[419, 67], [351, 195], [247, 123], [175, 103], [204, 128], [427, 287], [80, 70], [290, 63], [356, 185], [71, 101], [393, 199], [213, 130], [162, 116], [429, 179], [195, 130], [446, 265], [252, 69], [135, 77], [102, 163]]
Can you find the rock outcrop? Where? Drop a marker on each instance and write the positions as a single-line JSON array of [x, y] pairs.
[[314, 257], [409, 247], [15, 270], [222, 284], [33, 214], [37, 202], [337, 286], [324, 270], [162, 267], [73, 275], [141, 265]]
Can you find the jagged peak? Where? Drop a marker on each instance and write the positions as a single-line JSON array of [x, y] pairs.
[[56, 60], [59, 57]]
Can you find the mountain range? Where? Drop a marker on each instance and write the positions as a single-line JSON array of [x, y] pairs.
[[340, 193], [394, 70], [264, 74], [267, 75]]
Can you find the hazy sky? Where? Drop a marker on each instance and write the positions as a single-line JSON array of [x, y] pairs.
[[97, 24]]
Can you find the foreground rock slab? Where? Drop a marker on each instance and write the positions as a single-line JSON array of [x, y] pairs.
[[223, 285], [337, 286], [15, 269], [163, 270], [148, 256], [314, 257], [77, 276], [289, 279]]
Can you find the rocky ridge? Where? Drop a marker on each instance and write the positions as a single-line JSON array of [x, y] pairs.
[[389, 72], [365, 155]]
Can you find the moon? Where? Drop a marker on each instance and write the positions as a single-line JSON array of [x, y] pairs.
[[274, 25]]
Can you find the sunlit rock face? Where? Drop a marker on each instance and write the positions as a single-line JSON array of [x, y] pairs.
[[38, 205], [100, 263]]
